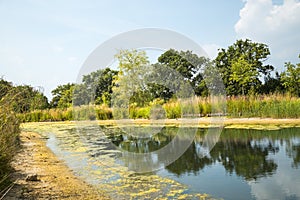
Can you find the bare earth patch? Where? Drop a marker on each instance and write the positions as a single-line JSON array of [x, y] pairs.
[[53, 181]]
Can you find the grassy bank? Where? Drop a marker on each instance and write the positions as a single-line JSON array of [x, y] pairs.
[[263, 106], [9, 132], [274, 106], [76, 113]]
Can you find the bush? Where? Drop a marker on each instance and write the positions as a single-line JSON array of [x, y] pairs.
[[173, 109]]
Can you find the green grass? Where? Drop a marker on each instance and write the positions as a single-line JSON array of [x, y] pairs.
[[265, 106], [76, 113], [271, 106]]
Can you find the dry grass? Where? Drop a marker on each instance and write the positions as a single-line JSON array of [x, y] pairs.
[[9, 132]]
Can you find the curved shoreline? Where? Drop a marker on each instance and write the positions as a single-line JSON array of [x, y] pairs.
[[54, 179]]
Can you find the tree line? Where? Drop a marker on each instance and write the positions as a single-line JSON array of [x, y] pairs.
[[241, 66]]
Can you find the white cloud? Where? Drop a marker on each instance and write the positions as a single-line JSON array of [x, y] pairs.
[[280, 185], [276, 25]]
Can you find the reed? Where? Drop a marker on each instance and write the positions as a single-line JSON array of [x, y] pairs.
[[9, 138], [265, 106], [273, 106], [87, 112]]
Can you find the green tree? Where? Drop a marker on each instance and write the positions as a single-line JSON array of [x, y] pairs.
[[23, 98], [28, 98], [189, 65], [130, 82], [253, 53], [5, 87], [99, 85], [39, 101], [272, 84], [291, 78], [62, 96], [244, 74]]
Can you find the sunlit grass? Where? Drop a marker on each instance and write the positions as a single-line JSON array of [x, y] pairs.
[[263, 106], [9, 132]]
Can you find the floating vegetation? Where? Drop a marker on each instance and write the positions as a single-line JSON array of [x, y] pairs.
[[92, 158]]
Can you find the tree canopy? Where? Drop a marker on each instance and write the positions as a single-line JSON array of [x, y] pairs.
[[243, 54], [188, 64], [241, 66], [291, 78], [62, 96], [22, 98]]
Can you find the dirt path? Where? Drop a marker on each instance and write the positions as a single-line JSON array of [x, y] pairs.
[[54, 180]]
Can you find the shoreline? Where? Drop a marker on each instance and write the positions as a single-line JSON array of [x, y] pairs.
[[54, 179], [205, 122]]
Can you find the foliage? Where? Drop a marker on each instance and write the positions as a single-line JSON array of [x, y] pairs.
[[173, 109], [130, 83], [27, 98], [274, 106], [291, 78], [245, 52], [188, 64], [5, 87], [137, 85], [62, 96], [272, 84], [100, 112], [99, 84], [23, 98], [9, 131], [244, 74]]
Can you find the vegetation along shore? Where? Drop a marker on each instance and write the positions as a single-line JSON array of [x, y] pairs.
[[254, 96]]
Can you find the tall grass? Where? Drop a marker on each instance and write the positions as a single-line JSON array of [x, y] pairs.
[[87, 112], [273, 106], [9, 138]]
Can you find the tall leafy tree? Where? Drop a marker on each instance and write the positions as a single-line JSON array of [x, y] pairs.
[[253, 53], [272, 84], [188, 64], [26, 98], [62, 96], [130, 82], [99, 85], [244, 74], [291, 78], [22, 98]]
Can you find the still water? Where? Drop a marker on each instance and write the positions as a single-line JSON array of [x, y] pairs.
[[243, 164]]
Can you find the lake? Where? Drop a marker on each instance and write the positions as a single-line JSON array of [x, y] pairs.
[[243, 164]]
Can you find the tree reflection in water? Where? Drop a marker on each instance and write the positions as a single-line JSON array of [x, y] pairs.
[[243, 152]]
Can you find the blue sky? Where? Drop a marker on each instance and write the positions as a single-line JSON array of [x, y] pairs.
[[44, 43]]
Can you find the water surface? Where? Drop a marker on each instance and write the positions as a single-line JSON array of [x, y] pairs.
[[244, 164]]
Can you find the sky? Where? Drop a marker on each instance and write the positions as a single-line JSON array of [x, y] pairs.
[[44, 43]]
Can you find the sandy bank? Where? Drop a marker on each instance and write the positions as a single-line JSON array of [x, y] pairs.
[[54, 179]]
